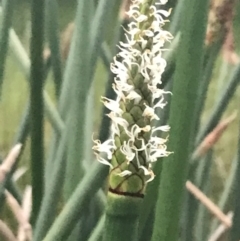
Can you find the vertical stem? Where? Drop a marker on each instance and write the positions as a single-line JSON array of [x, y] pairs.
[[182, 120], [7, 15], [53, 39], [121, 222], [235, 231], [36, 104]]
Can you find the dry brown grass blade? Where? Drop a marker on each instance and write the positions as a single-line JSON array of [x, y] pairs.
[[9, 161], [228, 50], [219, 19], [6, 232], [26, 208], [125, 8], [19, 215], [212, 138], [220, 230], [212, 207]]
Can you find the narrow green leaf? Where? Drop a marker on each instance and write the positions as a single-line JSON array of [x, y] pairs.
[[36, 105], [98, 29], [227, 191], [198, 177], [203, 180], [210, 57], [23, 61], [88, 132], [105, 55], [53, 38], [98, 230], [221, 105], [21, 137], [235, 231], [6, 22], [175, 21], [148, 228], [79, 59], [76, 204], [190, 53], [51, 197], [211, 54]]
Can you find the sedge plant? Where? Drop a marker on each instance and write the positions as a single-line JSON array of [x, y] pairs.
[[141, 193], [134, 145]]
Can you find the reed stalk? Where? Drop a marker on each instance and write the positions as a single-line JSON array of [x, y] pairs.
[[6, 22], [182, 119], [235, 232], [52, 30], [36, 104]]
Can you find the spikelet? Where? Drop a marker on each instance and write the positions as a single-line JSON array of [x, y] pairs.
[[134, 144]]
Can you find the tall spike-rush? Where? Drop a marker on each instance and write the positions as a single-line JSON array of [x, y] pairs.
[[133, 145]]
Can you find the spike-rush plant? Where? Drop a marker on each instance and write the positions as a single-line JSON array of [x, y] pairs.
[[134, 145], [145, 167]]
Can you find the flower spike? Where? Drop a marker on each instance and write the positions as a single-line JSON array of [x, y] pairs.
[[135, 145]]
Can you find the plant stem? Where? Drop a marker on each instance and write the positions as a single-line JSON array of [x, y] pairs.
[[121, 222], [221, 105], [98, 230], [77, 203], [182, 120], [8, 6], [235, 231], [36, 104], [48, 207], [79, 66], [53, 38]]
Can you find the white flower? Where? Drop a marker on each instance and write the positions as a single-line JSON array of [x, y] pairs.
[[117, 121], [112, 105], [127, 150], [148, 172], [133, 95], [125, 173], [104, 147], [165, 128], [141, 57], [103, 160], [150, 112]]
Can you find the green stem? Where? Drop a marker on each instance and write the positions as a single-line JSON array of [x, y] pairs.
[[182, 121], [121, 222], [221, 105], [203, 216], [51, 197], [79, 60], [235, 231], [198, 176], [24, 63], [211, 55], [227, 192], [98, 230], [7, 15], [77, 203], [53, 38], [36, 104], [21, 137]]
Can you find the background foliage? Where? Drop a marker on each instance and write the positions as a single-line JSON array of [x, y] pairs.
[[213, 172]]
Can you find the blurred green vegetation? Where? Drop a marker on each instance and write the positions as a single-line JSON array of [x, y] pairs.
[[13, 102], [15, 95]]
